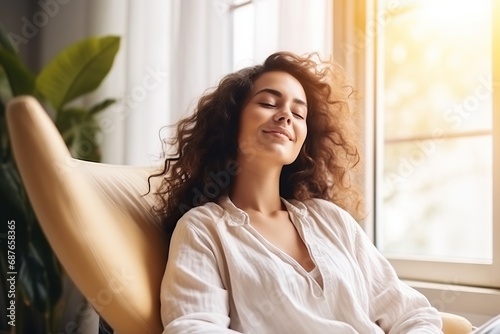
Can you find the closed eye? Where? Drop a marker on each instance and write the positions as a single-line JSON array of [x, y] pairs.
[[298, 115], [267, 105]]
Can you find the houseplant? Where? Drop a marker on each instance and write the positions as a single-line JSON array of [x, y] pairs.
[[77, 70]]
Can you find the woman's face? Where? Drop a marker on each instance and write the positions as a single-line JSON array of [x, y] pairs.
[[273, 121]]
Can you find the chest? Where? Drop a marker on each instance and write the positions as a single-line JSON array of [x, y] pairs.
[[288, 249], [258, 266], [280, 232]]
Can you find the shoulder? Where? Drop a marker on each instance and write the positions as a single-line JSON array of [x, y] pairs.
[[201, 218], [199, 228], [324, 207], [207, 211]]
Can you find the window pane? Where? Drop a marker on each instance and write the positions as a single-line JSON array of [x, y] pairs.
[[436, 199], [435, 103], [437, 57], [243, 35]]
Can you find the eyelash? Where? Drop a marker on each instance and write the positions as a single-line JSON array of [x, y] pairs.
[[267, 105], [270, 105]]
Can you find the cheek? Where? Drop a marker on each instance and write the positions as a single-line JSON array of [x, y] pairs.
[[248, 132], [302, 133]]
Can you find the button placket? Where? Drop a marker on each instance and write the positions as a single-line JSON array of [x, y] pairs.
[[309, 240]]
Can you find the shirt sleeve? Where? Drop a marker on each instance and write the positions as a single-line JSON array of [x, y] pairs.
[[394, 306], [193, 297]]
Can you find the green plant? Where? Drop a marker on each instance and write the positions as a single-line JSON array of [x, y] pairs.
[[74, 72]]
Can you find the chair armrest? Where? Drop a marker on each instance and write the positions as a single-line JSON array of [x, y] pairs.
[[455, 324]]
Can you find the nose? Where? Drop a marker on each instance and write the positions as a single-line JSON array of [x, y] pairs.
[[283, 116]]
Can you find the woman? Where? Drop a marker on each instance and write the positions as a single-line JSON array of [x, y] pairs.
[[255, 197]]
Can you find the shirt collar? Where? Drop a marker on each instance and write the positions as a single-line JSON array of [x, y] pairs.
[[238, 217]]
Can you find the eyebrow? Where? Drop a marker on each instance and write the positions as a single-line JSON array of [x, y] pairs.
[[278, 94]]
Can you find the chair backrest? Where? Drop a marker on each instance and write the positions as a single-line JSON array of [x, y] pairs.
[[96, 220]]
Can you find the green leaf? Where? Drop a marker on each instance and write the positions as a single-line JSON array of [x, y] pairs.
[[32, 282], [20, 78], [43, 257], [4, 138], [77, 70], [80, 129], [5, 91], [101, 106], [5, 41], [39, 271], [12, 194]]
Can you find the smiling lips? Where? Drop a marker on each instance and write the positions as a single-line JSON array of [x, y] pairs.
[[279, 131]]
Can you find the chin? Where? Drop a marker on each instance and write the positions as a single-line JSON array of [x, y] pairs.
[[286, 162], [280, 155]]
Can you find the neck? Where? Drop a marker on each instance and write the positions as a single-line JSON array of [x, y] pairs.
[[257, 189]]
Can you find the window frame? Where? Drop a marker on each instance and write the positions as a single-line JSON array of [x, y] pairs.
[[448, 272]]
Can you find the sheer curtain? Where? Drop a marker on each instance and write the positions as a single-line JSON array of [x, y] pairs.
[[140, 78], [200, 48], [171, 52], [300, 26]]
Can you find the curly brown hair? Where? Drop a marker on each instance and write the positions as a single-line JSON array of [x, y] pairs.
[[202, 167]]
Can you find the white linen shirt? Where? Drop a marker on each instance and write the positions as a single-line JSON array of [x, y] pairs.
[[222, 276]]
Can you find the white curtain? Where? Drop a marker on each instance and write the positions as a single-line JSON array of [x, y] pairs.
[[300, 26], [171, 52], [140, 78], [201, 52]]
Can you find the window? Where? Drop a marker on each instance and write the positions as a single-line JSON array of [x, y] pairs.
[[243, 15], [437, 139], [261, 27]]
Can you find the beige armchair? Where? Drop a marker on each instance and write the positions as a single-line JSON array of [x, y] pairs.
[[99, 225]]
